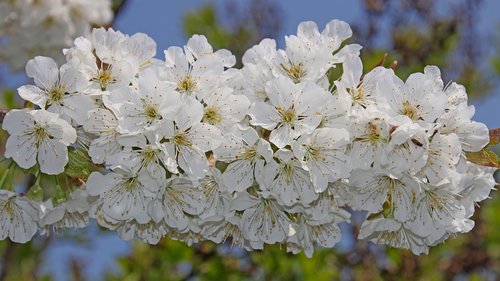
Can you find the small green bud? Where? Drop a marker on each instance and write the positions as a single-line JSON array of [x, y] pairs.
[[79, 165], [59, 196], [35, 192]]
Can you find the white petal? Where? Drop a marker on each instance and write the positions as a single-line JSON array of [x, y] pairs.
[[283, 136], [52, 157], [206, 137], [189, 114], [198, 45], [44, 70], [98, 183], [282, 92], [77, 107], [18, 121], [238, 176], [72, 79], [62, 131], [33, 94], [22, 149], [263, 115], [193, 162]]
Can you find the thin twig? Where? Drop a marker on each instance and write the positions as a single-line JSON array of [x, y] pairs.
[[380, 63], [6, 259], [117, 10], [394, 64], [2, 114]]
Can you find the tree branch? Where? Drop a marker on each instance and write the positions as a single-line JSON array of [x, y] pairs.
[[117, 9], [2, 114], [6, 259]]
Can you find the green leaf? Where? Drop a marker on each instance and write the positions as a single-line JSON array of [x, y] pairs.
[[484, 157], [35, 192], [79, 165]]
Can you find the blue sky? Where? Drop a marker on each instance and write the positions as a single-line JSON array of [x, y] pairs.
[[162, 21]]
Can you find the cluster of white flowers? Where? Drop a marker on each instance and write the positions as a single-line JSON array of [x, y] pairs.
[[193, 149], [33, 27]]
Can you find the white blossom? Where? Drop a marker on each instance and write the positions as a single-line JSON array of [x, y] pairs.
[[293, 110], [123, 195], [144, 107], [38, 136], [72, 213], [438, 210], [140, 152], [323, 155], [263, 219], [176, 202], [103, 124], [246, 156], [421, 97], [150, 232], [444, 154], [288, 181], [188, 139], [393, 233], [18, 217], [195, 71], [407, 150], [370, 132], [224, 109], [361, 90], [377, 190], [193, 149], [58, 91], [311, 233], [473, 135]]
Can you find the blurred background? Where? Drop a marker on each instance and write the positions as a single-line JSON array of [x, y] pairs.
[[462, 37]]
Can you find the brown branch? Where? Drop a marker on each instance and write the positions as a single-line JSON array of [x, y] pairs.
[[394, 64], [2, 114], [117, 9], [381, 62], [6, 259]]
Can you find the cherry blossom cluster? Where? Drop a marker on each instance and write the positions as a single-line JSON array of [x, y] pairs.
[[33, 27], [278, 151]]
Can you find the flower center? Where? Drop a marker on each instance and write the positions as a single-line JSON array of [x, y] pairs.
[[410, 111], [56, 94], [186, 85], [9, 208], [130, 184], [211, 115], [296, 72], [250, 153], [181, 139], [390, 236], [40, 133], [358, 94], [288, 172], [149, 155], [314, 153], [287, 116], [436, 202], [151, 112], [373, 135], [104, 78]]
